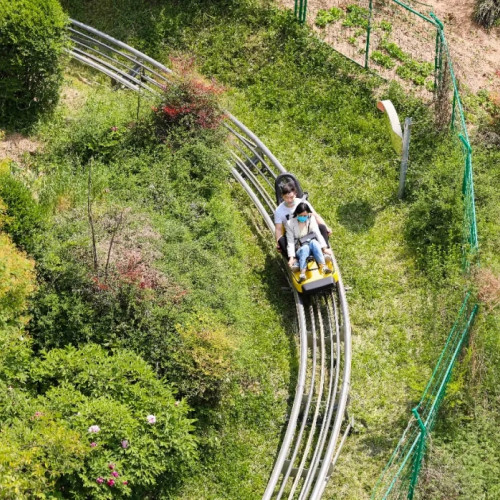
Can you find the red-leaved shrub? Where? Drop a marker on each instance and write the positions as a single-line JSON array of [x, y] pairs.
[[189, 103]]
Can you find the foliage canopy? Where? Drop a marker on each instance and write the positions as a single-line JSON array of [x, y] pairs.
[[32, 40]]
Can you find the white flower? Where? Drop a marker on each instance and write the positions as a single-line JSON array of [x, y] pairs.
[[151, 419], [94, 428]]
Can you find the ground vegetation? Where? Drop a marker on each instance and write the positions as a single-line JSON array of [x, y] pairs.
[[192, 288]]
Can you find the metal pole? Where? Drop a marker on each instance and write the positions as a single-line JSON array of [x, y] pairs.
[[404, 160], [139, 96], [453, 110], [437, 62], [368, 31], [419, 455]]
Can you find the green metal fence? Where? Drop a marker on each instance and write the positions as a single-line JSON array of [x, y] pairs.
[[373, 33], [391, 37], [300, 10], [400, 476], [459, 129]]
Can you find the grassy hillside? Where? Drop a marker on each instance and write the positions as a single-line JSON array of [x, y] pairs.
[[316, 112]]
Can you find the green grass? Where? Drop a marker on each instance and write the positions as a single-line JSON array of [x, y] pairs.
[[317, 113]]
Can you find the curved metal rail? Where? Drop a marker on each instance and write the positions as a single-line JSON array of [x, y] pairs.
[[312, 441]]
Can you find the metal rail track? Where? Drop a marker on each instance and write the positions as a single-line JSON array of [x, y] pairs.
[[317, 423]]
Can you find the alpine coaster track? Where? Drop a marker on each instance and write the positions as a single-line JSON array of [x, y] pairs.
[[317, 423]]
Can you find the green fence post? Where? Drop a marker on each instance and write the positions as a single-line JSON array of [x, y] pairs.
[[368, 31], [438, 62], [300, 10], [419, 455], [453, 110], [468, 151], [438, 66]]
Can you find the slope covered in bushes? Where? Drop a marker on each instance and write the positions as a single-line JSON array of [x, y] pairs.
[[189, 287], [147, 314]]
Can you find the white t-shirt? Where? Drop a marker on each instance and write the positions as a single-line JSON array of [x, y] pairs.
[[284, 213]]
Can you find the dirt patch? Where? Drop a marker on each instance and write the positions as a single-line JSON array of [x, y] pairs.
[[72, 98], [16, 146], [475, 51], [488, 288]]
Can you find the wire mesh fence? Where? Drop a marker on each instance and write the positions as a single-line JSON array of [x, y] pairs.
[[393, 38], [405, 41], [459, 128], [400, 476], [346, 26], [403, 45]]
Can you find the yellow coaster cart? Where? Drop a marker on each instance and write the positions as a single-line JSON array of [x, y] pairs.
[[315, 281]]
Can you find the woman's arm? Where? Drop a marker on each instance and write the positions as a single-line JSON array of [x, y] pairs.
[[313, 227], [290, 238]]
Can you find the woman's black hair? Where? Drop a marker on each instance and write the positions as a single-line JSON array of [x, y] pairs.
[[301, 207]]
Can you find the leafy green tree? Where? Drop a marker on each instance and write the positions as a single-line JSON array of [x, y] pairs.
[[32, 41], [102, 426]]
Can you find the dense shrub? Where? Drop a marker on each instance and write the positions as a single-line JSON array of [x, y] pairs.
[[24, 219], [199, 366], [487, 12], [102, 425], [16, 282], [32, 39], [35, 453], [188, 103]]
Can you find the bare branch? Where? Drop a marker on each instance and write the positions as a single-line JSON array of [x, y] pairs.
[[115, 230], [91, 218]]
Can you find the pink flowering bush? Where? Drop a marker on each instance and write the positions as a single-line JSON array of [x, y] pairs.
[[108, 405]]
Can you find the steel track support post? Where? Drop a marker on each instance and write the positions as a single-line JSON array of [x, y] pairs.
[[419, 455], [139, 95], [368, 31]]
